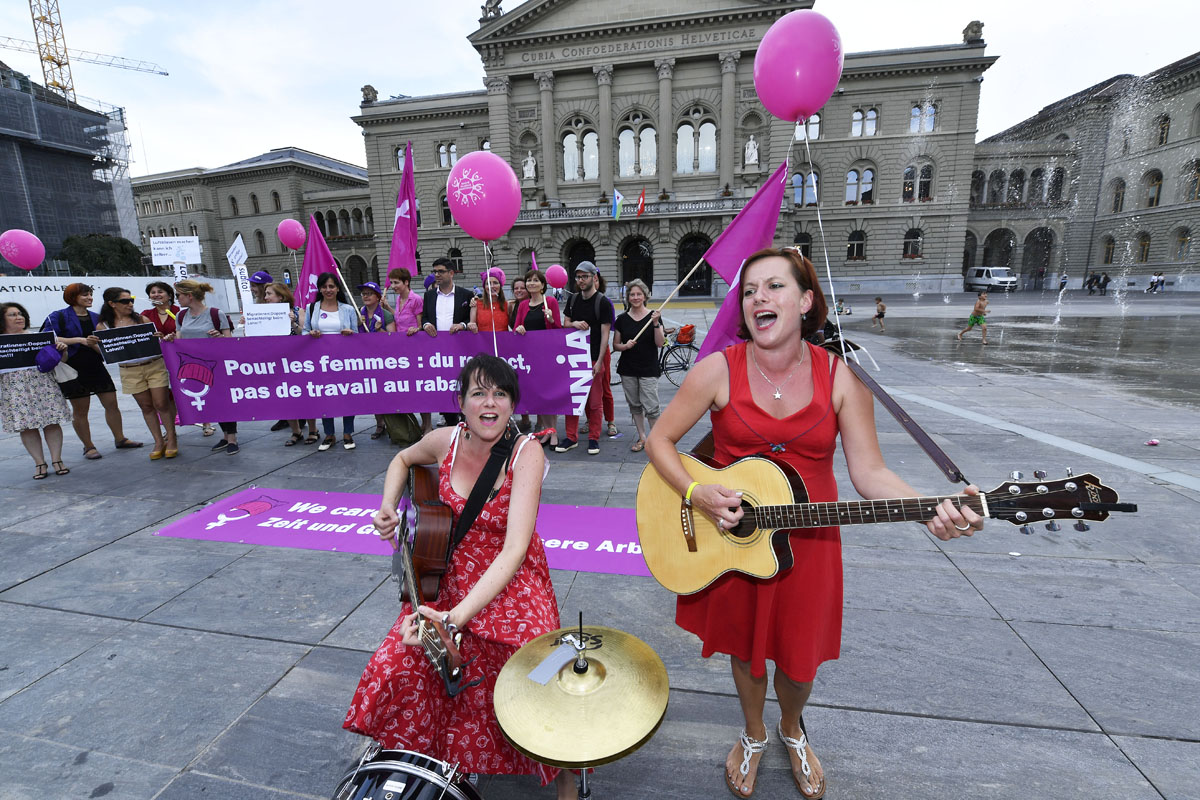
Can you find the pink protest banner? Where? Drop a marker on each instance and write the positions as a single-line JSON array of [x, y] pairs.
[[301, 377], [577, 538]]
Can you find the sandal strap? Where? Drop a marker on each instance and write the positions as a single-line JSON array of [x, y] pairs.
[[750, 747], [799, 746]]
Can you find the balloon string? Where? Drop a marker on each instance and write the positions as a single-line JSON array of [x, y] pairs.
[[489, 259], [824, 244]]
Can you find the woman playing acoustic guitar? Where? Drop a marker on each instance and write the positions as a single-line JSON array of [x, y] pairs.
[[778, 395], [496, 590]]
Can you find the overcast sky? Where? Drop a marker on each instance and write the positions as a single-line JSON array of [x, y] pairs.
[[251, 75]]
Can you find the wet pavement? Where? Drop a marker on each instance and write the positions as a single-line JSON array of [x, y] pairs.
[[1057, 665]]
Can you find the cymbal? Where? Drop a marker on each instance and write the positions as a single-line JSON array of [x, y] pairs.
[[583, 720]]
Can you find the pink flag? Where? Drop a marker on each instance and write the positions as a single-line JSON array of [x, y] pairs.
[[404, 229], [317, 259], [751, 230]]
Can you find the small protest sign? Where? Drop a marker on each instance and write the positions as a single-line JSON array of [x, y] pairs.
[[19, 350], [130, 343], [181, 272], [242, 276], [236, 254], [166, 250], [267, 319]]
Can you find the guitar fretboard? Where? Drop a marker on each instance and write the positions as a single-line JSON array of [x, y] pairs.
[[858, 512]]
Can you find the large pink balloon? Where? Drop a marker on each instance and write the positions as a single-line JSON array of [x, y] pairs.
[[484, 195], [22, 248], [291, 233], [798, 64], [556, 276]]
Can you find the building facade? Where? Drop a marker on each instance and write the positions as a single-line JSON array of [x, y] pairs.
[[584, 99], [251, 198], [1106, 180]]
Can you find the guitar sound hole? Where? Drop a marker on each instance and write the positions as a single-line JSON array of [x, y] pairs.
[[745, 527]]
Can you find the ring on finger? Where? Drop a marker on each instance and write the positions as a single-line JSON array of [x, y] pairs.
[[963, 528]]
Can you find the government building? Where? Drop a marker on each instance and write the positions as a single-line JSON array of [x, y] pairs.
[[586, 99]]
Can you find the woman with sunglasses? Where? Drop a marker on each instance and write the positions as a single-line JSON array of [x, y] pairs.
[[145, 378]]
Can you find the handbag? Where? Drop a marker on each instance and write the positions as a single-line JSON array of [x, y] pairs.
[[64, 372]]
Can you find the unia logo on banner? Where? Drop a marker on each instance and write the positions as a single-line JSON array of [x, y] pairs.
[[195, 378], [579, 358]]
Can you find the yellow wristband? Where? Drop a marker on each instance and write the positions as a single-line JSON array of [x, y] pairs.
[[687, 497]]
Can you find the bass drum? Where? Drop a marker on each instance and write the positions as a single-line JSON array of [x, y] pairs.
[[403, 775]]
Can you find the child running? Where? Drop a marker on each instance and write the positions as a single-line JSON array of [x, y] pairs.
[[978, 317], [880, 310]]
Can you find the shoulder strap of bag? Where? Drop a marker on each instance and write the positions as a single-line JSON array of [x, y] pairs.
[[482, 490]]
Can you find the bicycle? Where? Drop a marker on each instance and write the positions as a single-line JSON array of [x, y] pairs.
[[676, 357]]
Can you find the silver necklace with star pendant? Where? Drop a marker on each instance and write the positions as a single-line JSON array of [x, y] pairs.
[[778, 389]]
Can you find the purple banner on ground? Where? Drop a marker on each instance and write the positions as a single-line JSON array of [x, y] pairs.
[[577, 538], [301, 377]]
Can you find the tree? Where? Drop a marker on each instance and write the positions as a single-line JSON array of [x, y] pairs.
[[101, 254]]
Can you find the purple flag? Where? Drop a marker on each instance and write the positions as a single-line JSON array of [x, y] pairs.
[[317, 259], [751, 230], [404, 229]]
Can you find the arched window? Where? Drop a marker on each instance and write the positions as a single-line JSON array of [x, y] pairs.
[[648, 151], [261, 242], [908, 186], [1163, 124], [708, 147], [685, 148], [691, 249], [443, 156], [320, 218], [1110, 247], [1054, 192], [856, 123], [1183, 244], [852, 186], [871, 124], [856, 246], [912, 243], [1016, 187], [812, 127], [1143, 248], [995, 188], [863, 123], [163, 232], [591, 156], [805, 187], [174, 231], [233, 206], [1191, 183], [626, 153], [456, 258], [803, 243], [1153, 183], [399, 158], [925, 184], [193, 230], [914, 120], [570, 149], [928, 117], [1118, 196], [978, 188], [446, 218], [578, 251], [453, 154], [254, 204], [276, 200], [868, 187], [1037, 187]]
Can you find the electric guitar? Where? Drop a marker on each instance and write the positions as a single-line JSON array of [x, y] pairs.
[[686, 551], [425, 521]]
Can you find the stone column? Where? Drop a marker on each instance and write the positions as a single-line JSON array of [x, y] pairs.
[[499, 132], [666, 123], [604, 75], [549, 144], [727, 150]]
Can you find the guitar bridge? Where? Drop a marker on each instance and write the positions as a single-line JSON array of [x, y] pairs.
[[689, 531]]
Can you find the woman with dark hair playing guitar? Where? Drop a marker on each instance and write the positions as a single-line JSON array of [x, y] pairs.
[[496, 593], [778, 395]]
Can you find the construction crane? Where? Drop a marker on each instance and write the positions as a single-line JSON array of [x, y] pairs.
[[51, 48]]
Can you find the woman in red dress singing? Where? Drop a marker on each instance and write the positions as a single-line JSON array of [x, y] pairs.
[[496, 591], [778, 395]]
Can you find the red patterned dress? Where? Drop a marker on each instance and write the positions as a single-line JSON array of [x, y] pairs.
[[795, 617], [401, 702]]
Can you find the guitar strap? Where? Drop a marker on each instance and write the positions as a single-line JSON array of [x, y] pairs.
[[482, 490]]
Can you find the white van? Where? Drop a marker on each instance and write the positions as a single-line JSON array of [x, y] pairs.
[[985, 279]]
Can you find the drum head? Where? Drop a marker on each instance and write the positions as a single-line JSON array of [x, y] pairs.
[[403, 775]]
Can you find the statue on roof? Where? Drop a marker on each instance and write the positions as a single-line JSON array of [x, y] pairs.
[[370, 95], [973, 33], [490, 8]]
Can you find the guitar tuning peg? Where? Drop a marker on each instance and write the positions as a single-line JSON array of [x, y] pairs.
[[1053, 526], [1027, 530], [1016, 475], [1070, 472], [1039, 474], [1082, 526]]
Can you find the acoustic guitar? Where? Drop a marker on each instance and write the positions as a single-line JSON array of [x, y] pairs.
[[426, 526], [686, 551]]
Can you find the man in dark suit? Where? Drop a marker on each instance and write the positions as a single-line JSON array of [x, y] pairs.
[[446, 307]]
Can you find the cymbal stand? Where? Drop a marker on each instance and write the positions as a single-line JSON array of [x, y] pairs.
[[580, 666]]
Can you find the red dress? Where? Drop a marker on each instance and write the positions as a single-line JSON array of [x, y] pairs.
[[401, 702], [795, 617]]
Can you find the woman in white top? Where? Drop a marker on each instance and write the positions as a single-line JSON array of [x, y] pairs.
[[197, 321], [332, 314]]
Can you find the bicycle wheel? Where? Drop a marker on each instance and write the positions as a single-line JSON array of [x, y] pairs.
[[677, 361]]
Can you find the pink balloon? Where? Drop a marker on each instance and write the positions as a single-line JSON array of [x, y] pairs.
[[798, 64], [291, 233], [484, 195], [22, 249], [556, 276]]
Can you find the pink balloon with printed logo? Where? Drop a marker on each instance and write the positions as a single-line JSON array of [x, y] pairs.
[[291, 233], [22, 249], [484, 195], [798, 65], [556, 276]]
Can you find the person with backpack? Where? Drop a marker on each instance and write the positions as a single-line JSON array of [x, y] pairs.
[[198, 321], [590, 310]]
